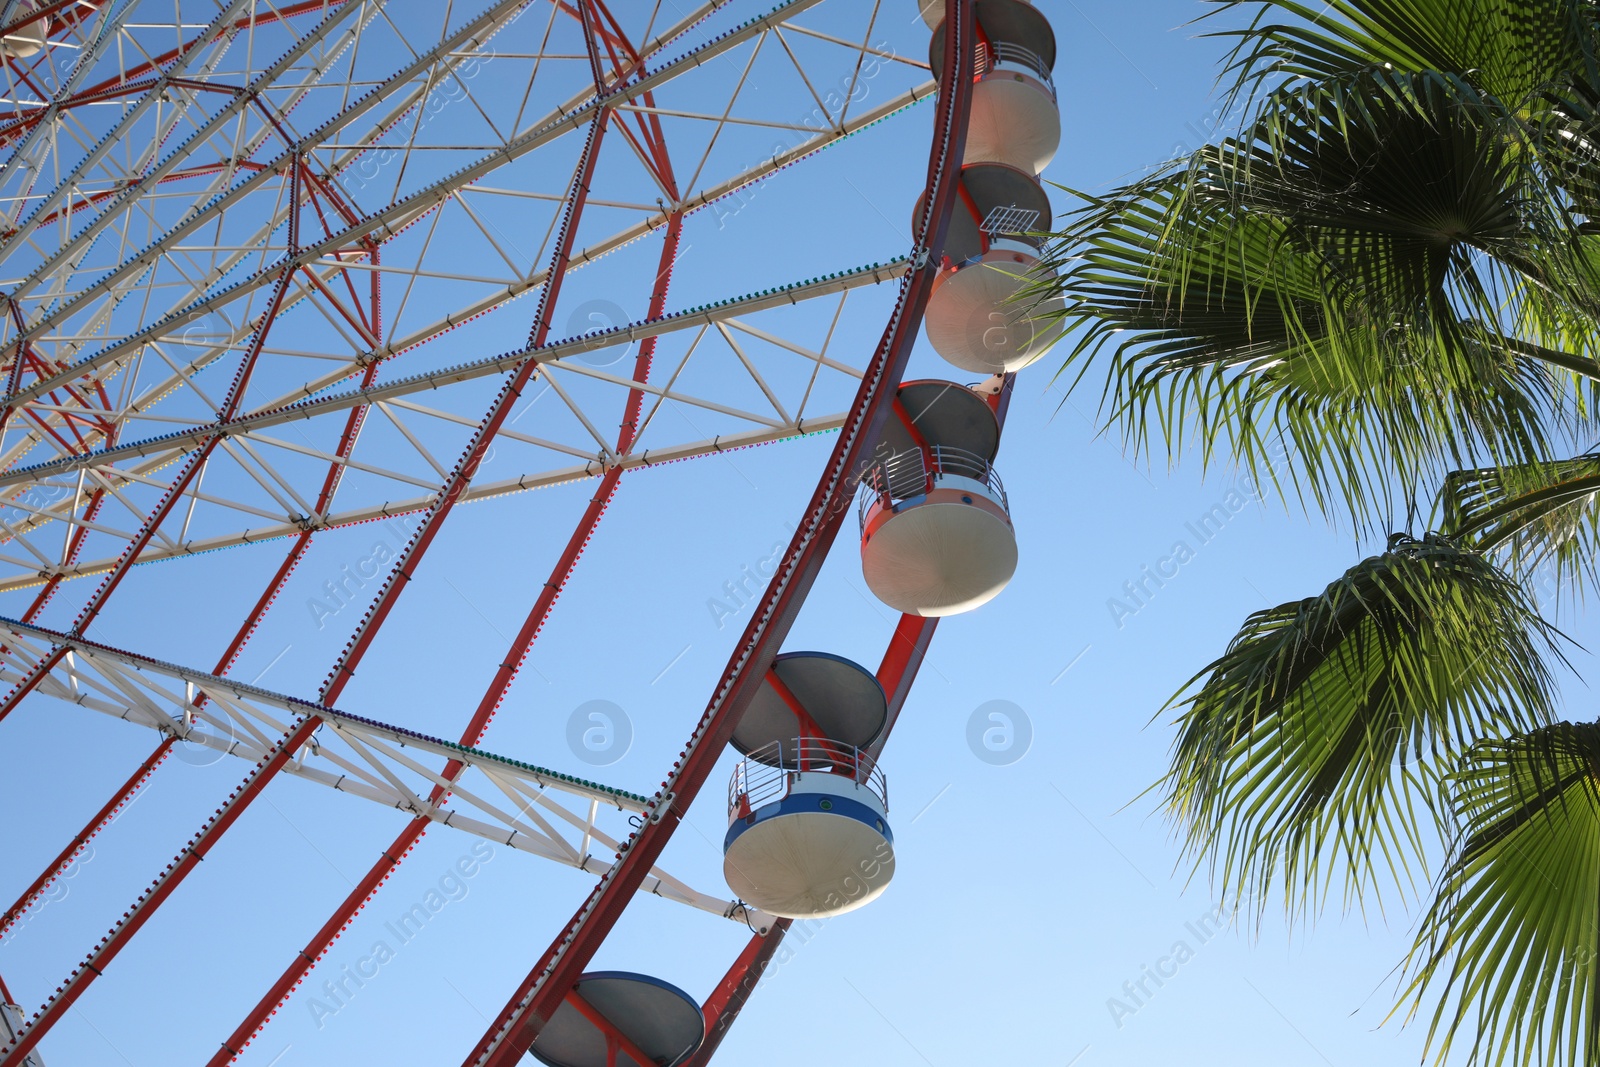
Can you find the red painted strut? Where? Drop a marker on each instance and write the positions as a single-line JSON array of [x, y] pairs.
[[544, 989]]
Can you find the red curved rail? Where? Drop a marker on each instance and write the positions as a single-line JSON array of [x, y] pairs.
[[544, 989], [898, 670]]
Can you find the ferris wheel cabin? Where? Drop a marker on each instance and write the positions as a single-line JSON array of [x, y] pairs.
[[979, 315], [1015, 119], [25, 41], [936, 534], [808, 808]]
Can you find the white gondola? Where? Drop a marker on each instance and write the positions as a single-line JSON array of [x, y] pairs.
[[1015, 119], [936, 534], [936, 537], [808, 829], [26, 40], [980, 315]]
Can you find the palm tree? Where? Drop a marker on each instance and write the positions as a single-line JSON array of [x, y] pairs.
[[1381, 297]]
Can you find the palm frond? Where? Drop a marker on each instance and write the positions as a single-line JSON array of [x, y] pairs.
[[1543, 519], [1510, 946], [1511, 49], [1387, 283], [1351, 278], [1313, 748]]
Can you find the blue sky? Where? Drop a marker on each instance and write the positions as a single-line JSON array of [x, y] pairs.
[[1029, 896]]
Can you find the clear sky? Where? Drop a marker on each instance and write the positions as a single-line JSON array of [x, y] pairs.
[[1032, 898]]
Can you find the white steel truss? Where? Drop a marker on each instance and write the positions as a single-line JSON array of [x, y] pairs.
[[102, 398], [522, 806], [257, 447], [336, 203]]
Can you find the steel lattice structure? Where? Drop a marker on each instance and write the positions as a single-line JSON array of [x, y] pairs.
[[259, 268]]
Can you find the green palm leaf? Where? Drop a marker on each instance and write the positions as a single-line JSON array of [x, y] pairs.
[[1512, 49], [1533, 60], [1387, 284], [1542, 518], [1314, 746], [1510, 946], [1349, 279]]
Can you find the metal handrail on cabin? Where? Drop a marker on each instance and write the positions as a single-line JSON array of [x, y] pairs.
[[992, 53], [908, 475], [766, 775]]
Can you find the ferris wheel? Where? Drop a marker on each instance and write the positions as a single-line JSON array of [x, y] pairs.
[[264, 270]]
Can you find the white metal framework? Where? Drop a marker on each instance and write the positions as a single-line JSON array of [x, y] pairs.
[[257, 268]]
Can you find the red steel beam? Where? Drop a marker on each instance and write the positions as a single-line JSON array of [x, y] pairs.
[[132, 920], [344, 669], [722, 1007], [807, 725], [616, 1040], [272, 14], [543, 990], [505, 673]]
